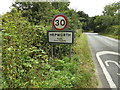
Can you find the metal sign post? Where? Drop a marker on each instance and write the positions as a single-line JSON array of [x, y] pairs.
[[70, 52], [52, 51]]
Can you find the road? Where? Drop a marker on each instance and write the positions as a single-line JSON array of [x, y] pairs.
[[106, 59]]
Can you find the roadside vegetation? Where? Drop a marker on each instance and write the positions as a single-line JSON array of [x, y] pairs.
[[86, 67], [111, 35], [107, 24], [26, 54]]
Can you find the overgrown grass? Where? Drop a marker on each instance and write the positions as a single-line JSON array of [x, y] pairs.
[[86, 67]]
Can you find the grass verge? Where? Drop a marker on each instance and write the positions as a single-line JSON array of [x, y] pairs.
[[0, 38], [0, 58], [86, 66]]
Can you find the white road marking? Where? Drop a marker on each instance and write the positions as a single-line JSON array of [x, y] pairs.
[[107, 75], [106, 62], [110, 61]]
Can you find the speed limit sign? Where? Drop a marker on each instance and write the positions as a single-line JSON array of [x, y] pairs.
[[60, 22]]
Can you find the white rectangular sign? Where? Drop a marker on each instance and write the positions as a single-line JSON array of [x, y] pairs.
[[63, 37]]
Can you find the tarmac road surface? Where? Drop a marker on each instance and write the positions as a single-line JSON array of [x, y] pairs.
[[106, 57]]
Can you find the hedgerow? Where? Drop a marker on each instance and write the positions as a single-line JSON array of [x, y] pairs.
[[26, 54]]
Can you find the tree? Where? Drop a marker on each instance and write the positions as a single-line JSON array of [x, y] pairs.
[[112, 9], [40, 12], [90, 23], [83, 17], [110, 18]]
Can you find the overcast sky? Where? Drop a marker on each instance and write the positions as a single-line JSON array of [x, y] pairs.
[[90, 7]]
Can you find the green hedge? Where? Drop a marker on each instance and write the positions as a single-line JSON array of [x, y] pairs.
[[26, 53]]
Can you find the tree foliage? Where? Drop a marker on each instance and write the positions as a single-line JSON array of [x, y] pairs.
[[83, 18], [109, 19], [112, 9]]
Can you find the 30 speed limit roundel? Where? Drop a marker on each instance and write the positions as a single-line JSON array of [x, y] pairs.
[[60, 22]]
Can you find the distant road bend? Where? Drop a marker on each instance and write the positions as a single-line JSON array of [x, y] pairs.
[[106, 56]]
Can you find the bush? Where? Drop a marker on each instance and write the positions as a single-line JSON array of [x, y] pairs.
[[25, 52], [115, 30]]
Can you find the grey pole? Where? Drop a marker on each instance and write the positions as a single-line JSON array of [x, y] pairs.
[[52, 51], [70, 52]]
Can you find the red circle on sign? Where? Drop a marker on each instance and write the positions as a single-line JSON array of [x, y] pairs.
[[64, 18]]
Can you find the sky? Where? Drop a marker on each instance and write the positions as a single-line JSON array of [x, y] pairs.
[[90, 7]]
